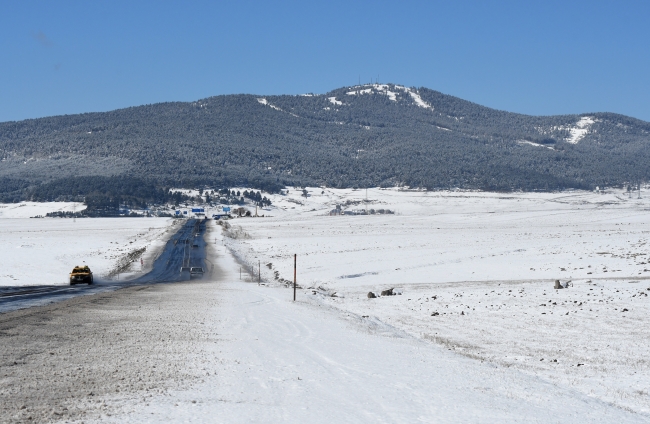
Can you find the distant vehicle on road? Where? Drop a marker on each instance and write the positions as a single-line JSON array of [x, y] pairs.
[[185, 269], [81, 274], [196, 271]]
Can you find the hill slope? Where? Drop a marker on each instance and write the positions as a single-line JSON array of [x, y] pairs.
[[365, 135]]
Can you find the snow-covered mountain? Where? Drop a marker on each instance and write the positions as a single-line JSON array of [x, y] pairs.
[[365, 135]]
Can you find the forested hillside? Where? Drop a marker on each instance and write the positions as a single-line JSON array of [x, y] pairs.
[[367, 135]]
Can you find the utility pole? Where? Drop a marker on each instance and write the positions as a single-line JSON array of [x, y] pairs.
[[295, 256]]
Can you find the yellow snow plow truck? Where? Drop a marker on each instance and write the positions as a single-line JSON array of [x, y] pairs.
[[81, 274]]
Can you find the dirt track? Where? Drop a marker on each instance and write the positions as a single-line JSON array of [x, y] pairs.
[[75, 359]]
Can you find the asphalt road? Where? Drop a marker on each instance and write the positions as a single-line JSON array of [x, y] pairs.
[[185, 248]]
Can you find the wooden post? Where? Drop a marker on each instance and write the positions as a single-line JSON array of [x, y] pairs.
[[259, 272], [294, 276]]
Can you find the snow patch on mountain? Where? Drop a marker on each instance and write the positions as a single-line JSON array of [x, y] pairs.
[[534, 144], [334, 101], [418, 101], [374, 89], [386, 90], [359, 92], [580, 130], [266, 103]]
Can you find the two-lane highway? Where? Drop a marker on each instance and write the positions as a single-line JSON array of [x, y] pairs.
[[185, 248]]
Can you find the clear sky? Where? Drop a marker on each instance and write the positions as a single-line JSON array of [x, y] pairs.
[[535, 57]]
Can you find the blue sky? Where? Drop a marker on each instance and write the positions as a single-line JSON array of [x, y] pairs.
[[535, 57]]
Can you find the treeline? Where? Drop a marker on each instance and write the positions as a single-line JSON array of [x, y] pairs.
[[12, 190], [257, 197], [105, 192]]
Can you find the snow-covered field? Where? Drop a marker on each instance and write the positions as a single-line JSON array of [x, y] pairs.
[[477, 333], [476, 272], [44, 251], [34, 209], [263, 358]]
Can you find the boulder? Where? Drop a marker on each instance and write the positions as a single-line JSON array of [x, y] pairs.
[[388, 292], [371, 295]]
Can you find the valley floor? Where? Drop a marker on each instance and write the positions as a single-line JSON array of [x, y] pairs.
[[504, 346], [476, 275], [254, 355]]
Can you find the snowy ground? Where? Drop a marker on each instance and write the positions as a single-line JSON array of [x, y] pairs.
[[44, 251], [34, 209], [485, 263], [504, 346], [267, 359]]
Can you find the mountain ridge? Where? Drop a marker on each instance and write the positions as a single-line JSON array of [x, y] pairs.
[[356, 136]]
